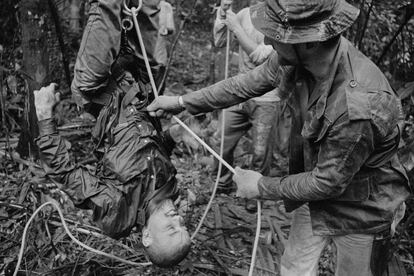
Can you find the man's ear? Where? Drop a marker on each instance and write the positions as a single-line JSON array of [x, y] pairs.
[[146, 237]]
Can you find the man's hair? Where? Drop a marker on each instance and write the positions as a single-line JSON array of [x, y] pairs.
[[162, 257]]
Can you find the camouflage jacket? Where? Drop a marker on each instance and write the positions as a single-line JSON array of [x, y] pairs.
[[134, 170], [343, 158]]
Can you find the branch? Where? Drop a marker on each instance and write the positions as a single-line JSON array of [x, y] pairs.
[[59, 33], [361, 37], [180, 31], [408, 14], [359, 20]]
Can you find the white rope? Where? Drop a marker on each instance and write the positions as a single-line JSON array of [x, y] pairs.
[[256, 238], [213, 152], [134, 13], [220, 166], [21, 252]]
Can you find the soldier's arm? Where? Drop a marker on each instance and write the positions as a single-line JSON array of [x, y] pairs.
[[75, 180]]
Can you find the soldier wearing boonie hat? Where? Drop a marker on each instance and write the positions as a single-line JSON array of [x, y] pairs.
[[299, 21], [345, 182]]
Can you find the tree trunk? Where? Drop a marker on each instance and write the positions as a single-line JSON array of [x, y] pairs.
[[33, 19], [75, 17], [54, 12]]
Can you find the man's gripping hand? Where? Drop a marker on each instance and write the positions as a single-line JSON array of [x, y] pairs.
[[247, 183], [165, 106], [45, 99], [225, 5], [232, 22]]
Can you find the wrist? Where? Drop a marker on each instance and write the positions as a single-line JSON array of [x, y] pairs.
[[181, 102], [44, 114], [259, 186], [47, 127], [269, 187]]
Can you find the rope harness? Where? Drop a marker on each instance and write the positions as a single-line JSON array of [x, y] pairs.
[[127, 24]]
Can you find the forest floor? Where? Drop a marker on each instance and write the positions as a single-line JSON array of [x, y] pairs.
[[224, 243]]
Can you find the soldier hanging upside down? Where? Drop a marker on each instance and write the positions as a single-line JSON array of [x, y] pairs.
[[134, 183]]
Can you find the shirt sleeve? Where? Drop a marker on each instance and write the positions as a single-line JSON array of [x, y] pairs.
[[260, 54], [77, 181], [166, 18], [341, 155], [219, 31], [254, 83]]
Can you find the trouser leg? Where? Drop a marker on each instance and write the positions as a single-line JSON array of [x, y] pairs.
[[99, 47], [236, 125], [262, 115], [303, 249], [353, 254], [366, 255], [357, 254]]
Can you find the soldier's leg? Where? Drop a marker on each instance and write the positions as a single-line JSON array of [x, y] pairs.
[[262, 115], [354, 254], [236, 125], [303, 249], [99, 47]]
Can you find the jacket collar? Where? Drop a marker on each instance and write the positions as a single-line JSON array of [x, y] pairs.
[[323, 87]]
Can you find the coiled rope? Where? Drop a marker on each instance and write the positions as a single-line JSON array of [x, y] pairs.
[[87, 247]]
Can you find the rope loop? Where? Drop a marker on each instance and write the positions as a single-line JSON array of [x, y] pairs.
[[131, 11], [127, 24]]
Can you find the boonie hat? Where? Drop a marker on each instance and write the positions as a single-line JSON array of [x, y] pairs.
[[301, 21]]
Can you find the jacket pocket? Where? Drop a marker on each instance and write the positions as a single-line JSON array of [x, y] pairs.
[[315, 130], [357, 190]]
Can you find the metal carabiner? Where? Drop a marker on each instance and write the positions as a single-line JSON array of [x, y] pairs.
[[127, 23], [128, 11]]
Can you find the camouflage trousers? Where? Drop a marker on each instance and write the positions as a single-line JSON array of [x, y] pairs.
[[254, 116]]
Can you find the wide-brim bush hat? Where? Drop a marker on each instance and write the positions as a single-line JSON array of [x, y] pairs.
[[301, 21]]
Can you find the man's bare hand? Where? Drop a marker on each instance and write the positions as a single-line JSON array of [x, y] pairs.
[[231, 21], [247, 183], [165, 106], [45, 100], [225, 5]]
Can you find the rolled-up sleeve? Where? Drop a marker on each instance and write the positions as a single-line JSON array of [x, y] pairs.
[[260, 54], [235, 90], [341, 155]]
